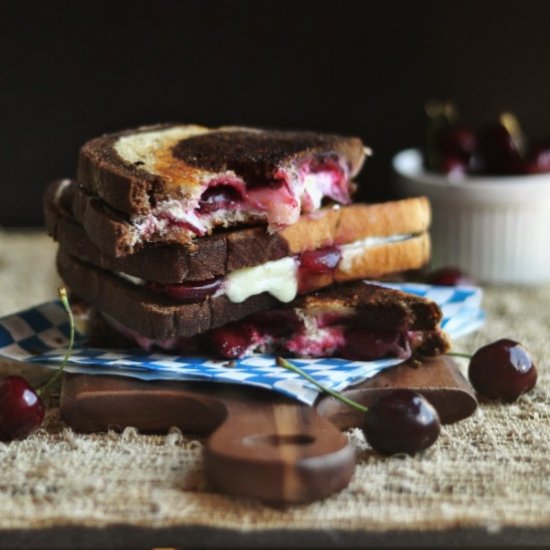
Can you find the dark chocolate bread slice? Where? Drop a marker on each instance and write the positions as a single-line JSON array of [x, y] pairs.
[[358, 321], [173, 160], [380, 305], [90, 233], [97, 234], [152, 314], [179, 182], [383, 323]]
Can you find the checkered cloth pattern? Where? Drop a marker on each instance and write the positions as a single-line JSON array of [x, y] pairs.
[[38, 335]]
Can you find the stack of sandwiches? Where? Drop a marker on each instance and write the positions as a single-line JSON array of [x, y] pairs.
[[233, 241]]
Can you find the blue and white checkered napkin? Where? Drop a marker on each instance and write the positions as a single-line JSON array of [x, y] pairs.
[[38, 335]]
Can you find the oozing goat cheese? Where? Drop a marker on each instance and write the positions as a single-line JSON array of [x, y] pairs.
[[278, 277], [316, 186]]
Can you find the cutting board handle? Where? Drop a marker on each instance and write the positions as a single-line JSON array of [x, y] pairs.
[[263, 445], [279, 452]]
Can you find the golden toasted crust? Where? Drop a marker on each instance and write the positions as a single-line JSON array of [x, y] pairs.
[[415, 312], [376, 262], [174, 161], [235, 249], [357, 221]]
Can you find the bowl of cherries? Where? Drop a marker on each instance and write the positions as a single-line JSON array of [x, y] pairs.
[[490, 195]]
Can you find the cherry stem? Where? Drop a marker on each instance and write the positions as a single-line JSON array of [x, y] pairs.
[[65, 302], [289, 366]]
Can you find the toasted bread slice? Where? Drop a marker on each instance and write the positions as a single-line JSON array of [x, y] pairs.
[[381, 306], [90, 233], [370, 322], [152, 314], [178, 182], [358, 321], [157, 311]]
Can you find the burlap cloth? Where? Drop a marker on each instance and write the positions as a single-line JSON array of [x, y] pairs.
[[489, 473]]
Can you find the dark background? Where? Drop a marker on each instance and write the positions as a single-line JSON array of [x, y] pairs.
[[72, 70]]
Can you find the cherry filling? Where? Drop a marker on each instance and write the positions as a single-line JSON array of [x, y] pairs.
[[368, 345], [236, 339], [221, 195], [317, 262], [277, 200], [282, 331], [276, 323], [187, 292], [330, 165], [233, 340], [173, 221], [279, 196], [323, 260]]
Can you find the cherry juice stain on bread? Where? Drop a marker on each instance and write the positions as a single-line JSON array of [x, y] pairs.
[[178, 182]]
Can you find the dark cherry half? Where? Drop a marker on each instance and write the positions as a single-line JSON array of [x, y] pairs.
[[363, 344], [187, 292], [502, 370], [402, 421], [501, 148], [316, 263], [232, 340], [218, 197], [323, 260]]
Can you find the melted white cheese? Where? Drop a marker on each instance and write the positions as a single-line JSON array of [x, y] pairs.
[[352, 250], [279, 278], [315, 186]]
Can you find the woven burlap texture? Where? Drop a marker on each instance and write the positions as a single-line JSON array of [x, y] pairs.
[[491, 470]]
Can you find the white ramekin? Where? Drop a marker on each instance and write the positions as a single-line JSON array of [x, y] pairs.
[[497, 228]]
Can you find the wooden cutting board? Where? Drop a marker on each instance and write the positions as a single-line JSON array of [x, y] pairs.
[[262, 445]]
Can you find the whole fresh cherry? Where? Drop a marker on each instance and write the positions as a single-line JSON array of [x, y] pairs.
[[21, 409], [453, 166], [458, 140], [502, 370], [449, 276], [401, 422], [538, 160], [456, 146], [500, 148]]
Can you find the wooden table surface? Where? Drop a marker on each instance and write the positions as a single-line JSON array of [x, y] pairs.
[[485, 483]]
